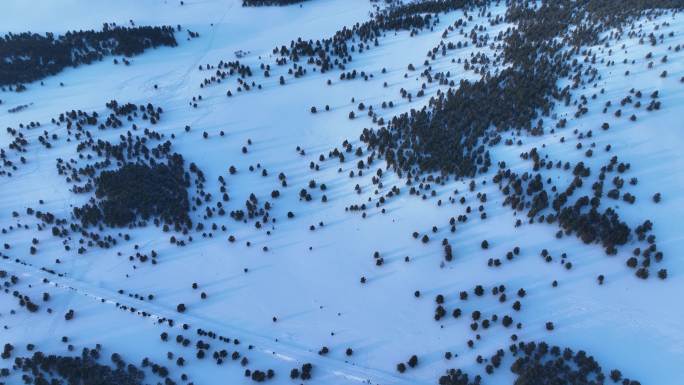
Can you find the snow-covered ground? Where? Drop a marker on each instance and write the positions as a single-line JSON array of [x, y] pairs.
[[310, 280]]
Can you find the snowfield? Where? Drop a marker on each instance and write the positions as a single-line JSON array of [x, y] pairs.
[[309, 281]]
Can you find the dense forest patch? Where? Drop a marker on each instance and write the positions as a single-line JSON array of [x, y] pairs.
[[139, 190], [26, 57], [450, 135]]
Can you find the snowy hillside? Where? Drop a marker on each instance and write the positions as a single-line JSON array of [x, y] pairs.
[[440, 179]]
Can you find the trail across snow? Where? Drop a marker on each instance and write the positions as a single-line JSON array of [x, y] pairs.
[[310, 280]]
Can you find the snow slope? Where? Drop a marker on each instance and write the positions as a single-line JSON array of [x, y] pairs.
[[310, 280]]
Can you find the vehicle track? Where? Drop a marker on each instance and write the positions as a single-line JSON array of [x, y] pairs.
[[263, 344]]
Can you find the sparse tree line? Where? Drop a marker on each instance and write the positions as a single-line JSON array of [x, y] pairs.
[[336, 51], [262, 3]]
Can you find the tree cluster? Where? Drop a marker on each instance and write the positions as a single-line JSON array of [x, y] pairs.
[[542, 364], [43, 368]]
